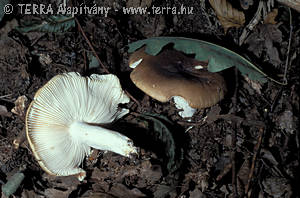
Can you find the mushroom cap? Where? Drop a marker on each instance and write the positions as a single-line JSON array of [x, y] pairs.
[[65, 99], [172, 73]]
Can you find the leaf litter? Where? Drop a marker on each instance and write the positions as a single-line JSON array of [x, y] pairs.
[[263, 39], [227, 15]]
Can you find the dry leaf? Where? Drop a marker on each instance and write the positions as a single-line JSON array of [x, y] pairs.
[[227, 15], [52, 192], [286, 122], [262, 40], [295, 4], [244, 172], [19, 108], [270, 18], [255, 85], [277, 187], [3, 111]]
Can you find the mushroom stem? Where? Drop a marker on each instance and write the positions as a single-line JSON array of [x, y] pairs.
[[102, 138], [182, 104]]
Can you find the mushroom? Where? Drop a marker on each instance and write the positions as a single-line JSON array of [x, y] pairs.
[[172, 74], [62, 121]]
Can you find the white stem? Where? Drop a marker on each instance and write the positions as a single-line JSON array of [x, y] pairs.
[[181, 103], [101, 138]]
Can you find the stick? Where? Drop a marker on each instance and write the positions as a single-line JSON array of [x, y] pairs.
[[289, 47], [91, 46], [234, 139], [256, 150]]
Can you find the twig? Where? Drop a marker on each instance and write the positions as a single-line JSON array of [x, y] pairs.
[[186, 123], [289, 47], [233, 137], [227, 117], [85, 61], [224, 172], [132, 98], [5, 96], [256, 19], [91, 46], [100, 62], [256, 151]]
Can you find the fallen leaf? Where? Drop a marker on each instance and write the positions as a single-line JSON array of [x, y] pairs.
[[263, 39], [2, 8], [121, 191], [200, 178], [163, 190], [227, 15], [162, 134], [277, 187], [270, 18], [62, 186], [19, 108], [56, 24], [13, 184], [286, 122], [255, 85], [267, 155], [212, 115], [30, 194], [218, 58], [98, 195], [145, 175], [62, 182], [3, 110], [197, 194], [52, 192], [150, 173], [45, 59], [242, 177]]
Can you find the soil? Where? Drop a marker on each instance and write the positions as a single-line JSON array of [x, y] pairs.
[[248, 142]]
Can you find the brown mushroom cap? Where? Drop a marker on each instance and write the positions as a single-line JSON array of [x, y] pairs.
[[172, 73]]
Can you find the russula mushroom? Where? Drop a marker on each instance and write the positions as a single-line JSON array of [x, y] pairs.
[[61, 121], [172, 74]]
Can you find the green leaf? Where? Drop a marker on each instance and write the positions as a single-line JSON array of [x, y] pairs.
[[52, 24], [3, 3], [161, 133], [219, 58], [93, 62], [13, 184]]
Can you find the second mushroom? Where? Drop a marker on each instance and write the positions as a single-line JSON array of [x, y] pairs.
[[173, 75]]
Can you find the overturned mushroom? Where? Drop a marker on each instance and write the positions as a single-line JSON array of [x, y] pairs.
[[172, 74], [61, 121]]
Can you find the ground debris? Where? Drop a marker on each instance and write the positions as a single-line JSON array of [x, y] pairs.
[[3, 111], [286, 122], [277, 187], [263, 39], [20, 105], [228, 16]]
